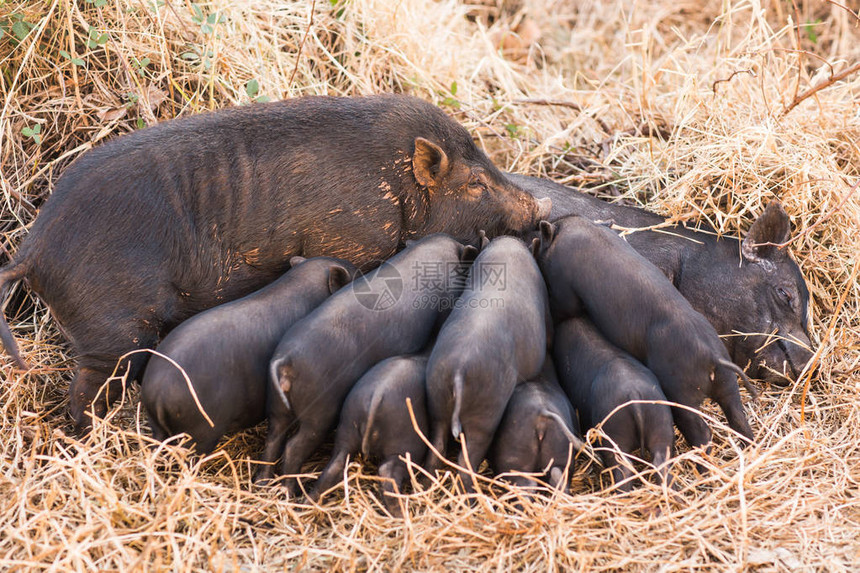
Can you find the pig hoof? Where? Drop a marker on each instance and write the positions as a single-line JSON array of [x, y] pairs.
[[264, 476], [392, 506]]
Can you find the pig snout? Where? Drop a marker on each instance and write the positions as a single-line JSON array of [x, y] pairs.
[[527, 212], [544, 208], [781, 362]]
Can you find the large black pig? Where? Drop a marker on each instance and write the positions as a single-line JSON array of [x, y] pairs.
[[159, 224], [743, 286]]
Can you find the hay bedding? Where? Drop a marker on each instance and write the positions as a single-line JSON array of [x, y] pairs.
[[676, 105]]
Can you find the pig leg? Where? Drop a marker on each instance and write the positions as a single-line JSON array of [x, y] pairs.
[[394, 473], [692, 426], [728, 397], [695, 430], [557, 479], [477, 446], [90, 393], [432, 462], [660, 458], [333, 471], [280, 420], [298, 449]]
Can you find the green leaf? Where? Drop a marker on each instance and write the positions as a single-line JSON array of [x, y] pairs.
[[21, 29], [140, 123], [65, 54], [451, 102], [101, 3], [513, 130], [333, 2], [453, 88], [206, 29], [252, 88], [198, 13], [810, 31], [212, 18], [262, 99], [37, 138], [28, 132], [78, 61], [145, 62], [37, 128], [189, 56]]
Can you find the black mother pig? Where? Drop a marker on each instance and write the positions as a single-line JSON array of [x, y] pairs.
[[375, 421], [155, 226], [638, 310], [495, 337], [537, 433], [225, 353], [390, 311], [746, 286], [599, 378]]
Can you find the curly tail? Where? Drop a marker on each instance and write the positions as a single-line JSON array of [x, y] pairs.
[[456, 428], [371, 421], [578, 444], [737, 370], [10, 274]]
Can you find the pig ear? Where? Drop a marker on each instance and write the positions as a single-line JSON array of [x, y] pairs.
[[773, 227], [484, 240], [296, 261], [468, 254], [547, 233], [337, 278], [429, 162]]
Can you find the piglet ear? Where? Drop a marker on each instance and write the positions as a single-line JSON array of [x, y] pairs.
[[296, 261], [773, 227], [468, 254], [429, 163], [535, 247], [547, 234], [482, 234], [338, 276]]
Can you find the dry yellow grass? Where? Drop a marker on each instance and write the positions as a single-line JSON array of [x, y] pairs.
[[625, 97]]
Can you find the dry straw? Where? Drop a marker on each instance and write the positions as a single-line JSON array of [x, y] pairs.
[[700, 111]]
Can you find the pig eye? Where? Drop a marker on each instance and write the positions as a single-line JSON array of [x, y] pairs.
[[477, 187], [784, 295]]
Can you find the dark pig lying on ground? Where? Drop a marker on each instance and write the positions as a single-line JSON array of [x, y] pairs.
[[746, 286], [375, 421], [168, 221], [638, 310], [598, 378], [495, 337], [385, 313], [225, 353], [537, 432]]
